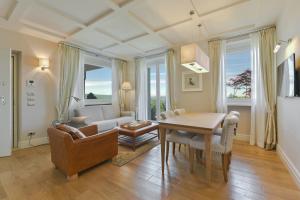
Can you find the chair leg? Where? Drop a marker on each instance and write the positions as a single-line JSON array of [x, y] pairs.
[[225, 166], [167, 153], [179, 147], [191, 156], [173, 146]]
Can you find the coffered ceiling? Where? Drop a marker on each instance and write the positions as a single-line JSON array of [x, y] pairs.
[[130, 28]]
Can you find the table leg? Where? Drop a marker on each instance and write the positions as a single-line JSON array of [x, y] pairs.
[[208, 156], [162, 132]]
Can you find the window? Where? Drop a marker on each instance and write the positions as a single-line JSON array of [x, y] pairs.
[[156, 88], [238, 71], [97, 84]]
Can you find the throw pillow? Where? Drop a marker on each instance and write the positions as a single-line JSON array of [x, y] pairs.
[[74, 132]]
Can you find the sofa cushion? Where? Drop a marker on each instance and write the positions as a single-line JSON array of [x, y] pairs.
[[124, 120], [74, 132], [110, 112], [93, 113], [105, 124]]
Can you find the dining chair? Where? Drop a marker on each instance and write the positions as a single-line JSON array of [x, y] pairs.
[[221, 145], [218, 131], [179, 137]]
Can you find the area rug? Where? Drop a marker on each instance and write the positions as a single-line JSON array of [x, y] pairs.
[[126, 154]]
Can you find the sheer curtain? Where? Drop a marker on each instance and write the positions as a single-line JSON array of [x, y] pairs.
[[268, 70], [170, 65], [258, 108], [221, 95], [118, 75], [215, 57], [141, 89], [69, 66]]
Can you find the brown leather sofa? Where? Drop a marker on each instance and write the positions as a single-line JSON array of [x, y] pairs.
[[72, 156]]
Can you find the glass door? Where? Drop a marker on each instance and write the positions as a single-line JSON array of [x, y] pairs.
[[156, 89]]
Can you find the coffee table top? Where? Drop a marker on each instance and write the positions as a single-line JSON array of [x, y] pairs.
[[140, 131]]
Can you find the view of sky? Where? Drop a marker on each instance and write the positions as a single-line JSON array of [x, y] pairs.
[[163, 76], [99, 81], [236, 62]]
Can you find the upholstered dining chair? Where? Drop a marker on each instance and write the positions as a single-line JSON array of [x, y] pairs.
[[220, 144], [219, 130], [179, 137]]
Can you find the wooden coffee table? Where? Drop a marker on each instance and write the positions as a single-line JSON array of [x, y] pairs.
[[137, 137]]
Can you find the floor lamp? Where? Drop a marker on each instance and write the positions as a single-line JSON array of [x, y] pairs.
[[126, 86]]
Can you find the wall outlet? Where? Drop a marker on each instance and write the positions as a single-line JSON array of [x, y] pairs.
[[31, 134]]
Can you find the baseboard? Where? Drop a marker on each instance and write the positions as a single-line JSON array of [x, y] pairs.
[[242, 137], [289, 164], [34, 142]]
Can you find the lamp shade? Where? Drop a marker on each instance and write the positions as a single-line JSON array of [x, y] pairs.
[[126, 86], [193, 58], [44, 63]]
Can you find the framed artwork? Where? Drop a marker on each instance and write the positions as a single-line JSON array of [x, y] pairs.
[[191, 82]]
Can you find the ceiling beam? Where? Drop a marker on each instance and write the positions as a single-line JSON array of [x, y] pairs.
[[18, 9]]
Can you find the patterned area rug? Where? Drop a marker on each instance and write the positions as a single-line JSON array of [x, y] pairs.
[[126, 154]]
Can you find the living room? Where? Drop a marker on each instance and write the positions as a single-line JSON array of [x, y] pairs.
[[134, 99]]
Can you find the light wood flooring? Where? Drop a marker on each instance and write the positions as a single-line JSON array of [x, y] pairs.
[[254, 174]]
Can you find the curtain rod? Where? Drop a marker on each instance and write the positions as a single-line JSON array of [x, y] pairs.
[[244, 34], [89, 52]]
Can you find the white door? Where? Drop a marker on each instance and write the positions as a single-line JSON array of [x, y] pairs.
[[5, 103]]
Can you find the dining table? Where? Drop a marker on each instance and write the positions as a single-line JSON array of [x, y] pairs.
[[198, 123]]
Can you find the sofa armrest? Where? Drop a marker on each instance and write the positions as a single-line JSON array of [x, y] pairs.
[[89, 130], [127, 113]]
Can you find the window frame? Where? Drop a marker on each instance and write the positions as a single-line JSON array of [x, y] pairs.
[[237, 101], [99, 62]]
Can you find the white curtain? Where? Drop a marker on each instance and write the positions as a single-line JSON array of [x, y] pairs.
[[170, 65], [215, 57], [267, 42], [141, 89], [221, 95], [118, 68], [258, 107], [69, 65]]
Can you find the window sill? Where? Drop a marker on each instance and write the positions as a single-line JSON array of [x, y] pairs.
[[246, 103]]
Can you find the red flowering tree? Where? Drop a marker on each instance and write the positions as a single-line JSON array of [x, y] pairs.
[[241, 82]]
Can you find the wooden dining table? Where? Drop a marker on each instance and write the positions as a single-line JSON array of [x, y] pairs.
[[197, 123]]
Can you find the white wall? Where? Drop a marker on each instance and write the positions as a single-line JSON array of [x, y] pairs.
[[36, 118], [289, 108]]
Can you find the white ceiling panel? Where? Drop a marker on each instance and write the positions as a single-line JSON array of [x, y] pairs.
[[123, 51], [49, 19], [148, 43], [204, 6], [94, 39], [231, 19], [83, 11], [158, 13], [185, 33], [5, 7], [121, 27]]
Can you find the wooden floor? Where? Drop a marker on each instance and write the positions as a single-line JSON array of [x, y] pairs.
[[254, 174]]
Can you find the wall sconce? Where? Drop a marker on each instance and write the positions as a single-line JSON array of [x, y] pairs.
[[280, 43], [44, 63]]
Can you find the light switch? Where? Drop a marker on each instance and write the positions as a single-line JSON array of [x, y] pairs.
[[3, 102]]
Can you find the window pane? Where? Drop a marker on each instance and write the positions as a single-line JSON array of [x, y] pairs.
[[163, 87], [238, 69], [152, 90], [98, 84]]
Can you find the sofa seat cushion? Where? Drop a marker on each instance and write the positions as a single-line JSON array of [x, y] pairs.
[[93, 113], [124, 120], [105, 124]]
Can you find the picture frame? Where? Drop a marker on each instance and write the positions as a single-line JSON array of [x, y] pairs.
[[192, 82]]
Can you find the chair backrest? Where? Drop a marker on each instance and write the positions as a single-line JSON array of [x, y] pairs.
[[237, 114], [167, 114], [179, 111], [228, 132]]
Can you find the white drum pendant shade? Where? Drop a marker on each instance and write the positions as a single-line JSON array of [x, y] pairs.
[[193, 58]]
